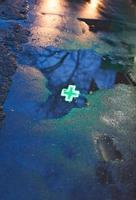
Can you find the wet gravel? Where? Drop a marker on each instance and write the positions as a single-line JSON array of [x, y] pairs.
[[17, 11], [12, 35]]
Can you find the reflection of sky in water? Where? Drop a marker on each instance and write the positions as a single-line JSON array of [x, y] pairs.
[[84, 68]]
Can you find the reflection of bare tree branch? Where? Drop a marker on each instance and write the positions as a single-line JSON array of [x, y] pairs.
[[76, 67], [49, 55], [54, 67], [129, 79]]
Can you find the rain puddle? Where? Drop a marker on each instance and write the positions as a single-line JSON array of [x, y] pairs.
[[53, 149]]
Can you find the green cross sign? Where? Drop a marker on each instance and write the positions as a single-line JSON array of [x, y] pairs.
[[70, 93]]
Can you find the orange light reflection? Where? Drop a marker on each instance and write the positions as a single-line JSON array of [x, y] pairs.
[[90, 10], [94, 3], [56, 20], [52, 5]]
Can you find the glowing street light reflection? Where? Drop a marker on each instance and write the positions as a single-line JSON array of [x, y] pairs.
[[52, 5], [90, 9], [57, 19], [94, 3]]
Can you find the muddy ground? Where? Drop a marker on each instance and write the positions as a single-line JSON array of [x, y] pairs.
[[12, 35]]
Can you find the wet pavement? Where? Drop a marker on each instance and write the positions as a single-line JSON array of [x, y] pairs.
[[51, 149]]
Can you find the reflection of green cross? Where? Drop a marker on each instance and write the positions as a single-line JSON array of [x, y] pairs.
[[70, 93]]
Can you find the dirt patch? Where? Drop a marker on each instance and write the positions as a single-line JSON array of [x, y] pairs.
[[16, 10], [12, 35], [7, 69]]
